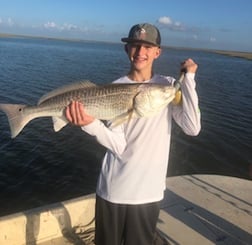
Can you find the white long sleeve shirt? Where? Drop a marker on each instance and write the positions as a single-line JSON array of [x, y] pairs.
[[135, 165]]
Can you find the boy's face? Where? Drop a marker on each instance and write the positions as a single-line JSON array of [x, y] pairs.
[[142, 55]]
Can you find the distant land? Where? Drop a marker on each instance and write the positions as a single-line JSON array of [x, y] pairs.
[[238, 54], [245, 55]]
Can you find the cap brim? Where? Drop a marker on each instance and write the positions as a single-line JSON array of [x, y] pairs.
[[132, 40]]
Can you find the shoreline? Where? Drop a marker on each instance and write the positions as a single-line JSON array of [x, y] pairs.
[[237, 54]]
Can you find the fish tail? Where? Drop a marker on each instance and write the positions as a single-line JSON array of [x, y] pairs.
[[16, 117]]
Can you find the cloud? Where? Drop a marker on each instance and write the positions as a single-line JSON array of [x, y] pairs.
[[69, 27], [50, 25], [166, 21], [7, 22], [212, 39], [10, 22]]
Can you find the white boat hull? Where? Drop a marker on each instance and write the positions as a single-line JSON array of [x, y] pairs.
[[197, 209]]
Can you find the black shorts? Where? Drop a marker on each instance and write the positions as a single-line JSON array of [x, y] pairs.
[[120, 224]]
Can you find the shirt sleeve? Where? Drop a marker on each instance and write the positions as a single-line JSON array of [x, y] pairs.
[[187, 115], [112, 138]]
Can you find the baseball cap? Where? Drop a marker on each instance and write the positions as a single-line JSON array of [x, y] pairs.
[[145, 33]]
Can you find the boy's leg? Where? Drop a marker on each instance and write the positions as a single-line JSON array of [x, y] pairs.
[[141, 221], [109, 222]]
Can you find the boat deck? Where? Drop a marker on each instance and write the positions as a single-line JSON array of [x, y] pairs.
[[207, 209], [197, 209]]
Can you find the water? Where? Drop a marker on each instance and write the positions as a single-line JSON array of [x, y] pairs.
[[40, 166]]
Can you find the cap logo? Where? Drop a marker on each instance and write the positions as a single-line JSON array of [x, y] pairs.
[[141, 34]]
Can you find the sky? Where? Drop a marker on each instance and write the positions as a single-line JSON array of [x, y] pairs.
[[210, 24]]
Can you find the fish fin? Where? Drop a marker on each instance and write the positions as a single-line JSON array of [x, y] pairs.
[[59, 123], [66, 88], [17, 119]]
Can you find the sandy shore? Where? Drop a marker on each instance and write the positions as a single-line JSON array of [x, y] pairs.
[[245, 55]]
